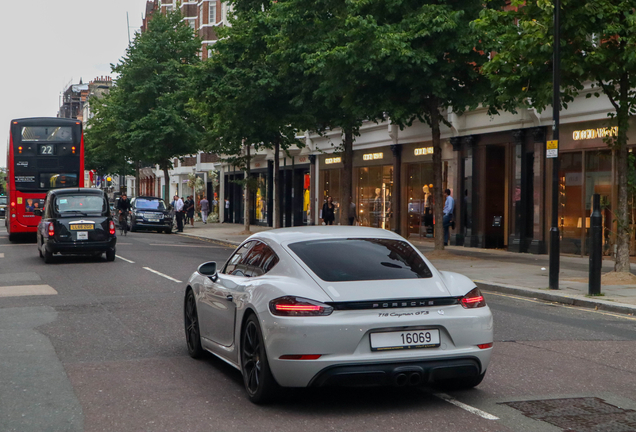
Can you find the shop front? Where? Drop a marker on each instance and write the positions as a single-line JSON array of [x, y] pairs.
[[586, 167], [373, 186], [499, 183]]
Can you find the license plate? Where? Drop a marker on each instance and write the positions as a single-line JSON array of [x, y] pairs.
[[412, 339], [153, 220], [82, 235], [82, 227]]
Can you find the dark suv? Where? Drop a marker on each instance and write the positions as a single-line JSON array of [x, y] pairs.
[[76, 221], [150, 213]]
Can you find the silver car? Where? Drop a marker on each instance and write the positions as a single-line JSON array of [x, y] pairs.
[[331, 305]]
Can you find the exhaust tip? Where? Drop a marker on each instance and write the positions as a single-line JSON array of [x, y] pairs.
[[415, 379], [400, 380]]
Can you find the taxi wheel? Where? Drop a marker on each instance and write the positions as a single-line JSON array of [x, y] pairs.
[[110, 255], [48, 256]]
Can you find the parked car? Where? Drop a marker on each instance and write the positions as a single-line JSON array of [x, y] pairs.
[[76, 221], [3, 206], [321, 306], [150, 213]]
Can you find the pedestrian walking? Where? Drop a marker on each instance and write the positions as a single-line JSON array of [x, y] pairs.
[[449, 207], [328, 212], [178, 212], [190, 209], [205, 209]]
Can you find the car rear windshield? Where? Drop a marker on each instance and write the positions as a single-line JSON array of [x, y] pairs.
[[3, 200], [359, 259], [84, 204], [146, 204]]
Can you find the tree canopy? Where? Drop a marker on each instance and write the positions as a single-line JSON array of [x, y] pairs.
[[598, 57]]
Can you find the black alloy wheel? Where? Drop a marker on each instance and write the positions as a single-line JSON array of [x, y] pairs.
[[257, 376], [191, 322]]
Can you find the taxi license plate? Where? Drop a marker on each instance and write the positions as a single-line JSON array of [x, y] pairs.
[[82, 227], [411, 339]]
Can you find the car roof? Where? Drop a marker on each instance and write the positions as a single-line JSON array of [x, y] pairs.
[[70, 191], [149, 197], [323, 232]]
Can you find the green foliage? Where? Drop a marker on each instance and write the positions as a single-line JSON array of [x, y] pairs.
[[145, 117], [241, 98]]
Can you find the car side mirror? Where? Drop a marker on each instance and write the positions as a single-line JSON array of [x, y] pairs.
[[208, 269], [37, 212]]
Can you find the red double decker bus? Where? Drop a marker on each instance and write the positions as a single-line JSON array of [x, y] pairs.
[[44, 154]]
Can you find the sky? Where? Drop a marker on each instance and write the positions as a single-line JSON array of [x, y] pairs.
[[45, 45]]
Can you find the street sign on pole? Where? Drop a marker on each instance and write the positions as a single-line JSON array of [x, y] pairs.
[[552, 149]]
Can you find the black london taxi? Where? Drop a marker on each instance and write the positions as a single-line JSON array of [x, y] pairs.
[[150, 213], [76, 221]]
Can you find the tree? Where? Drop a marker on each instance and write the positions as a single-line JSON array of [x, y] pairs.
[[242, 99], [328, 85], [146, 111], [409, 59], [598, 49]]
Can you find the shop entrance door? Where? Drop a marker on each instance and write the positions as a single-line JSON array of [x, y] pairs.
[[495, 194]]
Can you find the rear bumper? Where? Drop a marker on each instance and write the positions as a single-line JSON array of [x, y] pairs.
[[80, 247], [397, 373], [166, 223]]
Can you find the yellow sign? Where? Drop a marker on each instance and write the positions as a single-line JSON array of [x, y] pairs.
[[19, 200], [333, 160], [552, 149], [423, 151], [603, 132], [372, 156]]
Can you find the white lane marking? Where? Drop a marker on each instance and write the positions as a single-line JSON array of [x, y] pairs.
[[1, 255], [161, 274], [470, 409], [125, 259], [26, 290]]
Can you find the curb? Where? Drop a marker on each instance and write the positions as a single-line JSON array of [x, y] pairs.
[[607, 306], [228, 243]]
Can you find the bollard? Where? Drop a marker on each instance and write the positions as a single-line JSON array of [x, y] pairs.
[[596, 246]]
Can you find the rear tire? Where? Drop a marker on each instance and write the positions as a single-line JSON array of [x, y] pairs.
[[260, 385], [110, 255], [168, 230], [48, 256], [13, 237], [191, 324], [460, 383]]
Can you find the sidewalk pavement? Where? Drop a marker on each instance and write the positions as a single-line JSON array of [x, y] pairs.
[[523, 275]]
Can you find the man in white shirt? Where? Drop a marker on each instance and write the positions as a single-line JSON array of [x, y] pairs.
[[178, 212], [449, 208]]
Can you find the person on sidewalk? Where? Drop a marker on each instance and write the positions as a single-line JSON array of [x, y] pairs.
[[449, 207], [178, 212], [189, 207], [205, 209], [328, 212]]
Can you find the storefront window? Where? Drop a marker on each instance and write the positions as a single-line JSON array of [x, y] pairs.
[[331, 187], [598, 180], [260, 199], [570, 202], [373, 200], [420, 199]]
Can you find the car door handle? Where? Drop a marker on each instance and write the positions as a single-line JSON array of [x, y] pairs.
[[229, 297]]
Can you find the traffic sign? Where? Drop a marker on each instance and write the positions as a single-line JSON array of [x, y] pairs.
[[552, 149]]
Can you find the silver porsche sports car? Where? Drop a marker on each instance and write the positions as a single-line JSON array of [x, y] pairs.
[[331, 305]]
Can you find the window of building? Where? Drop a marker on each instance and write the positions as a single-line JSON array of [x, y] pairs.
[[374, 186], [212, 9]]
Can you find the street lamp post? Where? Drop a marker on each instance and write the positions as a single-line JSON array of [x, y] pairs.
[[556, 106]]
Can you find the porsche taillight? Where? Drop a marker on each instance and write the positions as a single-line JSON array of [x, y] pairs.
[[51, 229], [111, 228], [474, 299], [298, 306]]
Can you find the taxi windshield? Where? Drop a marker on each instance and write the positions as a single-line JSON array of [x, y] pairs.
[[80, 203]]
